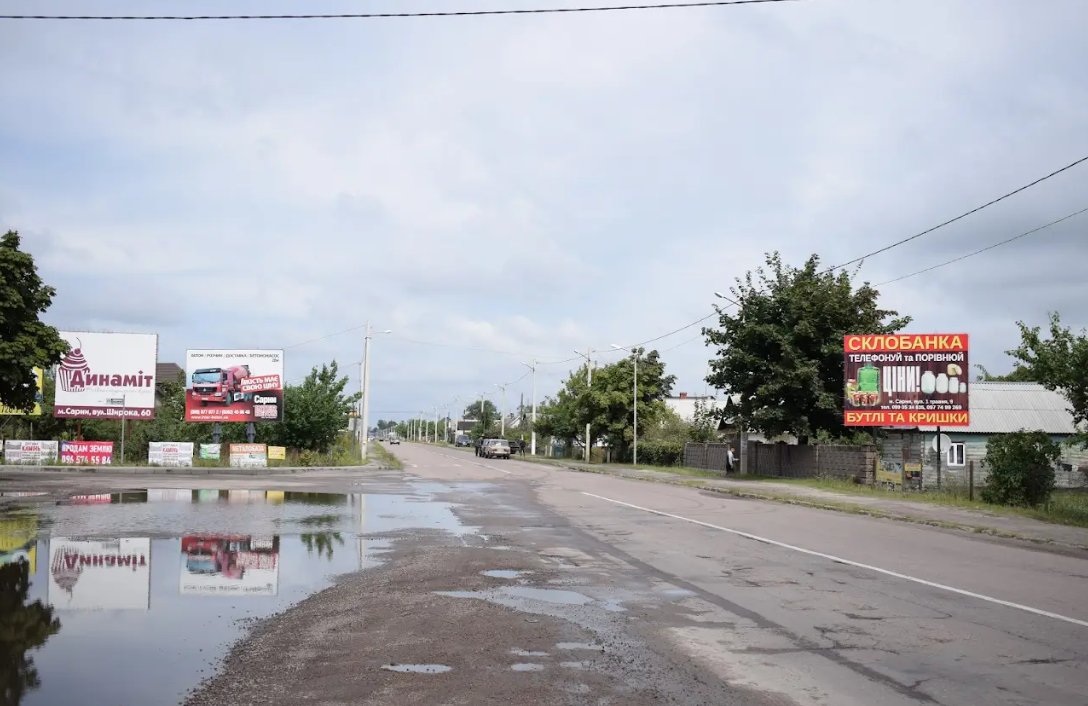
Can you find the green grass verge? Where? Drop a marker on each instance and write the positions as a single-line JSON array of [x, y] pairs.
[[384, 456]]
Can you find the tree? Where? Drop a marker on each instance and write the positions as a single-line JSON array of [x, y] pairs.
[[24, 627], [1021, 467], [1018, 374], [607, 406], [485, 414], [314, 412], [25, 342], [1060, 364], [782, 350]]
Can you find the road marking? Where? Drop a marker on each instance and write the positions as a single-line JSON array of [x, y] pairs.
[[848, 562]]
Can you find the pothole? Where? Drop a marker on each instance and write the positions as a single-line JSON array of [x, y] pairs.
[[527, 667], [417, 668], [503, 573]]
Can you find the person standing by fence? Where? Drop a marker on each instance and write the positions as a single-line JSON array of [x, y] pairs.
[[730, 460]]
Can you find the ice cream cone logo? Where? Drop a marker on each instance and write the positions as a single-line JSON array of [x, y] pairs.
[[73, 368]]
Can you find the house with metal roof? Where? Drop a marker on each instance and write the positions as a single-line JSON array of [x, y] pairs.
[[996, 408]]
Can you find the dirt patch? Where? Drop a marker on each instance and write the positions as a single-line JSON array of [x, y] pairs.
[[338, 646]]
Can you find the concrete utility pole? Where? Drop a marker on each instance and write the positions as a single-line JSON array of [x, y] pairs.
[[589, 385], [365, 383], [532, 444], [436, 425], [502, 419]]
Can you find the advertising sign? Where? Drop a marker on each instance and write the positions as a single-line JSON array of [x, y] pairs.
[[229, 565], [209, 452], [233, 386], [111, 574], [170, 453], [89, 453], [248, 456], [107, 376], [18, 539], [39, 377], [906, 380], [31, 452], [277, 453]]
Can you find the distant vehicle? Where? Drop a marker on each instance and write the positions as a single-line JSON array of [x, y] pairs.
[[394, 440], [463, 440], [496, 448], [221, 385]]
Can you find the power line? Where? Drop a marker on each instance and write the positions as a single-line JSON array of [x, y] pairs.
[[400, 15], [959, 217], [988, 247]]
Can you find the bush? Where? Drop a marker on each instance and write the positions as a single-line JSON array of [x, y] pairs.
[[661, 453], [1021, 468]]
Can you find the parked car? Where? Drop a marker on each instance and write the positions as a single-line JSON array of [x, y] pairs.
[[496, 448], [463, 440]]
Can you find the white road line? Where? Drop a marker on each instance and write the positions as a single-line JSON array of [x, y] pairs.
[[848, 562]]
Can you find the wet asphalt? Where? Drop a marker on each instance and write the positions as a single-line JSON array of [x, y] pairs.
[[460, 580]]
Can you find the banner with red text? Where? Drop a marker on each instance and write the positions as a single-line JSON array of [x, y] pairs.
[[898, 380], [107, 376], [234, 386], [87, 453]]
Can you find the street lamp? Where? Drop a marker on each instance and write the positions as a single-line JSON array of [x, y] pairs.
[[634, 355], [589, 386], [364, 388], [502, 419], [532, 445]]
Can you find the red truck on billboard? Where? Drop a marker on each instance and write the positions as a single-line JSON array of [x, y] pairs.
[[220, 385]]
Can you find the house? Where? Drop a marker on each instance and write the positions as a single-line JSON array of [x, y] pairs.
[[996, 408], [169, 372], [685, 405]]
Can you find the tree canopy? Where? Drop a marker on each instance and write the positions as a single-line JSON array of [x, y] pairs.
[[608, 405], [1060, 363], [25, 342], [782, 350], [314, 412]]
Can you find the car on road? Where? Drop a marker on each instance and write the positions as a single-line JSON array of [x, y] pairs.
[[394, 440], [463, 440], [496, 448]]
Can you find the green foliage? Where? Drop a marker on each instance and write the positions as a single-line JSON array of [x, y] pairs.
[[608, 405], [487, 419], [1021, 468], [25, 342], [782, 351], [24, 627], [314, 412], [1060, 363], [1018, 374], [660, 452]]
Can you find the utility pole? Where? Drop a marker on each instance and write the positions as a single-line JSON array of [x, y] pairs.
[[589, 385], [364, 382], [436, 424], [502, 419], [532, 443]]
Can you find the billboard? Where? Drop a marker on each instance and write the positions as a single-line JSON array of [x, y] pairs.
[[234, 386], [230, 565], [107, 376], [248, 455], [87, 453], [33, 452], [170, 453], [209, 452], [110, 574], [39, 381], [904, 379]]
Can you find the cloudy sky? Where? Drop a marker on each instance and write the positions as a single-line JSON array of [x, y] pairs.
[[497, 188]]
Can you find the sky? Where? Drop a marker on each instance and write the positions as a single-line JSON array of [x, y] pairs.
[[495, 190]]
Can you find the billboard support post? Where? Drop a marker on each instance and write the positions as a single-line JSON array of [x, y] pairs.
[[251, 432], [122, 430], [938, 458], [217, 433]]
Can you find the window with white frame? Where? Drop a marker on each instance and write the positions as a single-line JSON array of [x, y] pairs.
[[956, 454]]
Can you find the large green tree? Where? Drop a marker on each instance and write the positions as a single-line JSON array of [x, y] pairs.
[[1059, 362], [24, 627], [314, 412], [782, 349], [608, 404], [25, 342]]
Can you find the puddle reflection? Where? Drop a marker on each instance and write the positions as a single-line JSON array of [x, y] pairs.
[[138, 595]]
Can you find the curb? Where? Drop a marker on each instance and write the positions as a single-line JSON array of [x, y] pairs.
[[180, 470]]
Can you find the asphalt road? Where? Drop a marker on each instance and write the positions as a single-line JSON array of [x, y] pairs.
[[803, 605]]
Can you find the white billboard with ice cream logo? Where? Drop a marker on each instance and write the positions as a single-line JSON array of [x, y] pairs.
[[107, 376]]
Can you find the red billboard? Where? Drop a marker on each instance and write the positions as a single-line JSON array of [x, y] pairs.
[[234, 386], [898, 380], [87, 453]]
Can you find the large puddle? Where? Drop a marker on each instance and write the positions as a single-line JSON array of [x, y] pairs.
[[133, 598]]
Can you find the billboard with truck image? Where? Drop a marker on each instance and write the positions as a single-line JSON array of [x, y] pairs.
[[234, 386]]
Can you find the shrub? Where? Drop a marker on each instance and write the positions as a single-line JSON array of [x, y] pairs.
[[1021, 468], [661, 453]]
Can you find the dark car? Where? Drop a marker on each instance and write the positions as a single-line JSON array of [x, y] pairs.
[[463, 440]]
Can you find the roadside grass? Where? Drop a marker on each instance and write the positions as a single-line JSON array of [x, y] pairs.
[[1066, 507], [385, 457]]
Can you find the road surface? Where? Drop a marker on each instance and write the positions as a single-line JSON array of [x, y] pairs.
[[810, 605]]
